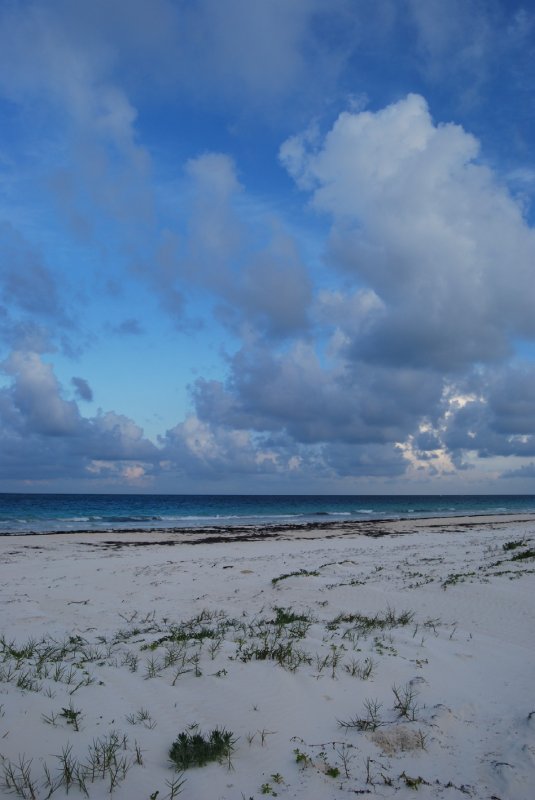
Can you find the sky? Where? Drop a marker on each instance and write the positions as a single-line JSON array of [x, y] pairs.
[[261, 246]]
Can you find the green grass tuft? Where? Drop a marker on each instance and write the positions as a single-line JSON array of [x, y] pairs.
[[529, 553], [192, 749], [512, 545]]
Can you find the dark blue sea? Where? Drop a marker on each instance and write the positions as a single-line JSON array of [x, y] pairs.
[[47, 513]]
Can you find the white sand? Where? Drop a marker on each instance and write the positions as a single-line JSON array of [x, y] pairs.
[[468, 654]]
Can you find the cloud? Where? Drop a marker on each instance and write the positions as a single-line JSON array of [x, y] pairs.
[[23, 335], [342, 360], [527, 472], [238, 253], [253, 48], [370, 461], [427, 441], [76, 66], [461, 36], [25, 281], [261, 59], [428, 229], [115, 437], [43, 436], [82, 388], [64, 74], [129, 327], [199, 252], [36, 399], [197, 448], [295, 393], [208, 451], [512, 400], [276, 289], [471, 40], [48, 55], [36, 301], [499, 418], [436, 259], [214, 230]]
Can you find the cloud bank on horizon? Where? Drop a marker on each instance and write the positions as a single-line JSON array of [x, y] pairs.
[[267, 247]]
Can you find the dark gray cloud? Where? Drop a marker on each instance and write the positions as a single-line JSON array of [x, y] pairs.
[[276, 290], [498, 420], [370, 461], [25, 281], [512, 401], [35, 300], [427, 441], [82, 388], [296, 394], [525, 472], [24, 334], [129, 327]]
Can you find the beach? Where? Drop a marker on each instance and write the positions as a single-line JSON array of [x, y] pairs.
[[382, 658]]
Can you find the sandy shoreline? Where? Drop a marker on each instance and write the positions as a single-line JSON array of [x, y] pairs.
[[272, 640], [229, 533]]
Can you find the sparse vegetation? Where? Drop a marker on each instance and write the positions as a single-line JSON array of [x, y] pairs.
[[370, 722], [300, 573], [107, 760], [141, 717], [405, 701], [360, 669], [512, 545], [193, 749], [328, 641], [529, 553], [72, 716], [364, 624], [456, 577]]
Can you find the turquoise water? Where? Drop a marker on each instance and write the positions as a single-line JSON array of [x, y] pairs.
[[46, 513]]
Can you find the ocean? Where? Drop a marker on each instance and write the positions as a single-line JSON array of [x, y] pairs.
[[49, 513]]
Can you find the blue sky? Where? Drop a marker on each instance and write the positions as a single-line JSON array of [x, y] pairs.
[[253, 246]]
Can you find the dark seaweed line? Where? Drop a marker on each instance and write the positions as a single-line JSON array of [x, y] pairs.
[[227, 533]]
